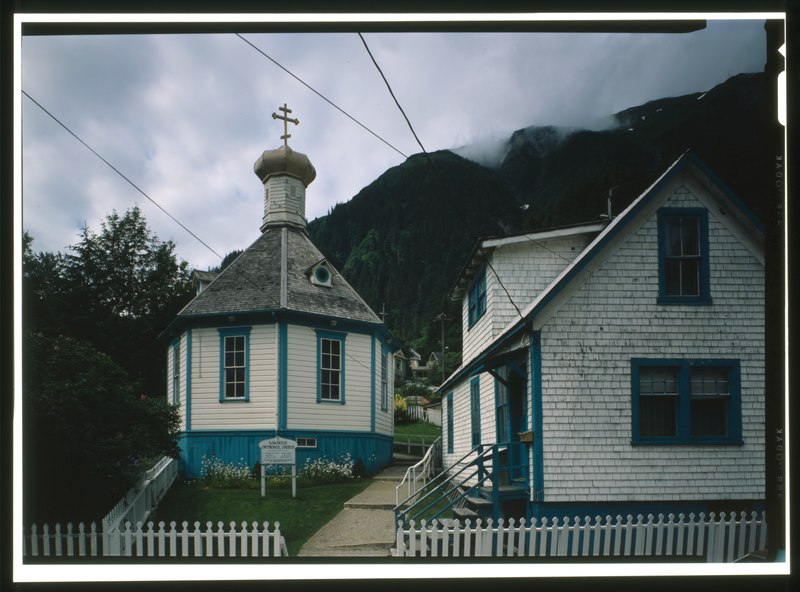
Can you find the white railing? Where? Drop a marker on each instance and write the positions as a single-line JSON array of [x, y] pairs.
[[722, 539], [141, 499], [418, 474], [157, 541]]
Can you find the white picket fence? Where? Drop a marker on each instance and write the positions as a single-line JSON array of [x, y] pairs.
[[718, 539], [152, 540], [141, 499]]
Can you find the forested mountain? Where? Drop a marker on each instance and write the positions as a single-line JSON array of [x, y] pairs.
[[404, 238]]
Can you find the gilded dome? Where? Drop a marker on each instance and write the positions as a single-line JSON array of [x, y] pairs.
[[285, 161]]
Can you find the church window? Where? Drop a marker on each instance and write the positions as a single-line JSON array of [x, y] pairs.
[[234, 364], [330, 355]]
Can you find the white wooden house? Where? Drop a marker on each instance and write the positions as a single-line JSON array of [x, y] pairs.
[[279, 343], [618, 366]]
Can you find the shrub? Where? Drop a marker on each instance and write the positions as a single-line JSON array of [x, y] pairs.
[[219, 474], [325, 470]]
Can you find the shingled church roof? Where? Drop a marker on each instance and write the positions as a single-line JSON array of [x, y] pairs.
[[253, 282]]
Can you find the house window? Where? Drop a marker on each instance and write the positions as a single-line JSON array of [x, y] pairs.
[[686, 401], [683, 256], [306, 442], [475, 409], [330, 356], [176, 372], [501, 404], [450, 423], [384, 381], [234, 364], [476, 299]]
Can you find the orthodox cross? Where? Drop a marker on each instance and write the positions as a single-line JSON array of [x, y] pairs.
[[286, 119]]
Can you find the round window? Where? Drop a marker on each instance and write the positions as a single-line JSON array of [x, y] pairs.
[[322, 274]]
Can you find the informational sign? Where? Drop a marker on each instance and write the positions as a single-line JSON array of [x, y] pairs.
[[278, 451]]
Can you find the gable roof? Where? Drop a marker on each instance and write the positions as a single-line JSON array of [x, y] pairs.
[[614, 231], [271, 275]]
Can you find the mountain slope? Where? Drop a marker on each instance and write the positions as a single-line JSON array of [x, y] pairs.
[[403, 239]]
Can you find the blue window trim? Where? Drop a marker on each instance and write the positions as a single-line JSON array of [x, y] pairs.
[[704, 297], [683, 433], [450, 423], [476, 299], [175, 386], [373, 378], [335, 335], [234, 332], [475, 409]]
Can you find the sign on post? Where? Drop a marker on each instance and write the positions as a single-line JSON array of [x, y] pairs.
[[278, 451]]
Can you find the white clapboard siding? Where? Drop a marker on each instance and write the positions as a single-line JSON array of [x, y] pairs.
[[257, 413], [303, 410], [723, 538]]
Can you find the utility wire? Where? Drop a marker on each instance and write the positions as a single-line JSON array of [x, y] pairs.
[[394, 97], [116, 170], [132, 184], [320, 95]]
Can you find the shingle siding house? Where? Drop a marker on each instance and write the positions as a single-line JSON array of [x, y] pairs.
[[628, 374], [280, 344]]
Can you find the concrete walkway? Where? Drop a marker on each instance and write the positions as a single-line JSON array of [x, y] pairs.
[[365, 526]]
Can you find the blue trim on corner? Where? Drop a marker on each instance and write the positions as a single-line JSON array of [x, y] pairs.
[[372, 385], [189, 379], [283, 373], [536, 416]]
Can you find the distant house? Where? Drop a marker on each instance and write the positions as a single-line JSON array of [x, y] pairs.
[[202, 279], [278, 343], [628, 373], [400, 368]]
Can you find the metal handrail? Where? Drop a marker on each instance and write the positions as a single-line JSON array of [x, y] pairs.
[[480, 472], [411, 472]]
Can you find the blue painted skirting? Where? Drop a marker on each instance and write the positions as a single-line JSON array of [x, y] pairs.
[[233, 446]]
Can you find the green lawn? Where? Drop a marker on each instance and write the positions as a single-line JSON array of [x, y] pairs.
[[417, 431], [299, 518]]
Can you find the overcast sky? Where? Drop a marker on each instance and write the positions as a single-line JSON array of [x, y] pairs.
[[185, 116]]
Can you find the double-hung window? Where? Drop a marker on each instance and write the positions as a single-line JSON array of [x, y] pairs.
[[475, 409], [683, 256], [686, 401], [330, 363], [234, 383], [476, 299], [384, 381]]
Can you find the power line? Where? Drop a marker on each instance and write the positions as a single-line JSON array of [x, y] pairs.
[[320, 95], [394, 97], [132, 184], [116, 170]]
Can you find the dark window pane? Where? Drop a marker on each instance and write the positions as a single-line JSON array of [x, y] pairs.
[[229, 389], [709, 416], [672, 243], [326, 377], [672, 277], [239, 389], [239, 375], [335, 347], [690, 277], [658, 415], [334, 391], [239, 359], [690, 236], [229, 357]]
